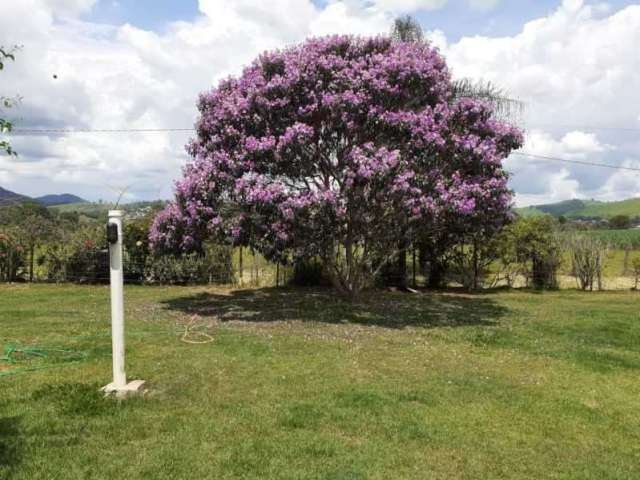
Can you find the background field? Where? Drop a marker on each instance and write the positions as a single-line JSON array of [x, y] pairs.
[[585, 209], [299, 384]]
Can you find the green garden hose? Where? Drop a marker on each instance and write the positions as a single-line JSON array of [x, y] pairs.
[[17, 354]]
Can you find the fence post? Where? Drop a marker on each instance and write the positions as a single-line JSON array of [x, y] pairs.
[[413, 266], [116, 274]]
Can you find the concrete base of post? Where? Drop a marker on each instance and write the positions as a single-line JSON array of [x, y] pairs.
[[135, 387]]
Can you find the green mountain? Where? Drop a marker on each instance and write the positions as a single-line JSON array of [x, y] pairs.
[[8, 198], [62, 199], [584, 209]]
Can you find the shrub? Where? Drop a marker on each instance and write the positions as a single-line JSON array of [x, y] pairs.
[[620, 222], [587, 258], [309, 273], [190, 269], [12, 258], [533, 245], [471, 260], [176, 270], [78, 255], [635, 264]]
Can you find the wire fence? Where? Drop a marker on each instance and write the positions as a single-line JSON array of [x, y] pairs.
[[239, 267]]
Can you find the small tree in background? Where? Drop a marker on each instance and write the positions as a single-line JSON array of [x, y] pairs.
[[11, 256], [588, 255], [35, 225], [6, 102], [407, 29], [533, 247], [471, 260], [620, 222], [635, 265]]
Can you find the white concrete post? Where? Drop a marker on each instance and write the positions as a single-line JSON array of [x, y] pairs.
[[117, 302], [114, 236]]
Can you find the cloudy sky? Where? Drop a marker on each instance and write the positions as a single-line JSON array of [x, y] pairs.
[[139, 64]]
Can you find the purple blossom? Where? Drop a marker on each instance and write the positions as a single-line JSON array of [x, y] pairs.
[[337, 136]]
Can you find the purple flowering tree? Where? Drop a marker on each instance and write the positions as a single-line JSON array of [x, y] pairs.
[[330, 149]]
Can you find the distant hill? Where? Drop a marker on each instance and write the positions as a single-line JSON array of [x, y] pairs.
[[630, 207], [584, 209], [561, 208], [8, 197], [62, 199], [99, 211]]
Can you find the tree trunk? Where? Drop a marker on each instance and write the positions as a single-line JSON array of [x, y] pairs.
[[437, 271], [254, 268], [476, 269], [625, 269], [401, 264], [413, 266], [31, 254]]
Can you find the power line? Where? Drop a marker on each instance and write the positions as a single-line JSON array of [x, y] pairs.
[[71, 131], [577, 162], [67, 131], [586, 127]]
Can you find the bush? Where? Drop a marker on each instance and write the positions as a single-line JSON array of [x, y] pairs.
[[78, 255], [470, 262], [587, 257], [620, 222], [12, 258], [309, 273], [191, 269], [544, 270], [635, 264], [531, 246], [179, 270]]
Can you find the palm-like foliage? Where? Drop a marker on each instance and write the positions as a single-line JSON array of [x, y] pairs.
[[504, 108], [407, 29]]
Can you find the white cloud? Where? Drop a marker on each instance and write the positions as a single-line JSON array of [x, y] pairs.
[[483, 4], [346, 17], [581, 142], [577, 66], [560, 186], [407, 6], [574, 68], [68, 8]]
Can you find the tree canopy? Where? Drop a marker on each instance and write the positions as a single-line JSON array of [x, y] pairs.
[[331, 147], [6, 102]]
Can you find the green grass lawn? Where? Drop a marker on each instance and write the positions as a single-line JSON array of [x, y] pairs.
[[300, 385]]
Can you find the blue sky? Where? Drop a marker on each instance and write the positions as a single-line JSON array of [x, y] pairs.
[[146, 14], [456, 19]]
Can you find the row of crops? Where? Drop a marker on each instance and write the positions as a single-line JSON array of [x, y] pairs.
[[618, 239]]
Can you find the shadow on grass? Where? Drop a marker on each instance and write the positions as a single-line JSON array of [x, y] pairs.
[[10, 445], [376, 308]]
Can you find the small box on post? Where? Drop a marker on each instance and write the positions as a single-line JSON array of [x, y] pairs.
[[119, 386]]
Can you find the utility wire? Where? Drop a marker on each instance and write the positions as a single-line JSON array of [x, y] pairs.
[[577, 162], [68, 131], [585, 127]]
